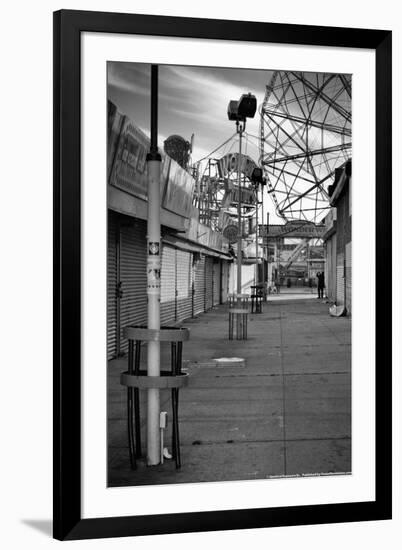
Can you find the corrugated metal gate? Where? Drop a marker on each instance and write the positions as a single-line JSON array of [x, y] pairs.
[[216, 266], [225, 281], [132, 271], [111, 285], [333, 267], [176, 285], [348, 274], [199, 285], [209, 281], [340, 279], [183, 284], [168, 285], [190, 283], [330, 264]]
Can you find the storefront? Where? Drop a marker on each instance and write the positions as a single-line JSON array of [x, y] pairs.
[[330, 255], [191, 280], [199, 284], [126, 284], [338, 239]]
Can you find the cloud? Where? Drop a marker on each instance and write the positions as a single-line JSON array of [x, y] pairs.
[[128, 77], [191, 100], [205, 89]]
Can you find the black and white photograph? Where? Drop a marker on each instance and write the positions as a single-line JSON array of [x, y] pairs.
[[194, 354], [229, 274]]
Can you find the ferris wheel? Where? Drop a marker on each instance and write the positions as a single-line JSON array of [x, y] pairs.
[[305, 134]]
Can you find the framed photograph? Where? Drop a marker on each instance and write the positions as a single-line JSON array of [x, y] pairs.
[[222, 354]]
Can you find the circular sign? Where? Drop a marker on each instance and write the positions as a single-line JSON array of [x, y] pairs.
[[230, 233]]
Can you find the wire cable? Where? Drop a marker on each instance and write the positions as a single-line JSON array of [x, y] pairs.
[[217, 149]]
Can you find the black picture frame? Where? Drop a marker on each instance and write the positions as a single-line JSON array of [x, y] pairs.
[[68, 26]]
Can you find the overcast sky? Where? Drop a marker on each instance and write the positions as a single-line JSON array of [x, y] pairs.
[[192, 100]]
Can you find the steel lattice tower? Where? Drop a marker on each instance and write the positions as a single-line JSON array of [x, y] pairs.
[[305, 133]]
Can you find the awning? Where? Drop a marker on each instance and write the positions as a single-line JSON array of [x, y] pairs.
[[194, 247]]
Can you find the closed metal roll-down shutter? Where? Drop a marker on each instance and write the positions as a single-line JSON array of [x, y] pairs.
[[225, 281], [168, 285], [216, 282], [330, 280], [183, 284], [209, 278], [348, 274], [340, 280], [132, 268], [199, 284], [334, 270], [111, 285]]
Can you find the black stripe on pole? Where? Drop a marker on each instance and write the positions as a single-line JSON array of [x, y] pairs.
[[153, 153]]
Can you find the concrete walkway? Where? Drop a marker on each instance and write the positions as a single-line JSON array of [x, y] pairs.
[[287, 412]]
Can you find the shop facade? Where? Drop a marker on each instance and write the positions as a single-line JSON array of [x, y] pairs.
[[338, 239]]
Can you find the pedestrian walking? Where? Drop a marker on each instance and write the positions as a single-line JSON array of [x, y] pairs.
[[320, 284], [278, 285]]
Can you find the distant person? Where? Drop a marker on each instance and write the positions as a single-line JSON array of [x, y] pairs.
[[278, 285], [320, 284], [272, 289]]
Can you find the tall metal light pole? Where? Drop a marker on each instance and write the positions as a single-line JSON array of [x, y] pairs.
[[239, 111], [240, 129], [257, 179], [256, 235], [263, 245], [153, 275], [264, 239]]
